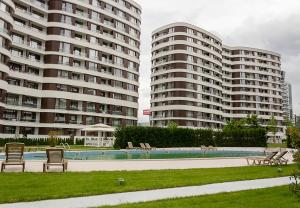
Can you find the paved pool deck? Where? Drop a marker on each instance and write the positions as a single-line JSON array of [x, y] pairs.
[[152, 195], [113, 165], [144, 164]]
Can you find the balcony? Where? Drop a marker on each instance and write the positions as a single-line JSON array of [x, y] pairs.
[[40, 4], [92, 110], [29, 104], [59, 120], [28, 119]]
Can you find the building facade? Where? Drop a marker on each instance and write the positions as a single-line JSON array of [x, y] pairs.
[[68, 64], [198, 82], [287, 101]]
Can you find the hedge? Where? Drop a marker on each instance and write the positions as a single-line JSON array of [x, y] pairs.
[[39, 141], [184, 137]]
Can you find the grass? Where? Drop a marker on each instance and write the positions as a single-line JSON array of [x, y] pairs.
[[278, 197], [81, 147], [283, 145], [17, 187], [72, 147]]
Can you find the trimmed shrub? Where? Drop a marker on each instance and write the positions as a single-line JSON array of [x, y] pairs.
[[39, 142], [184, 137]]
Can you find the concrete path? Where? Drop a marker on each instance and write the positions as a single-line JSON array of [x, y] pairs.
[[152, 195], [118, 165]]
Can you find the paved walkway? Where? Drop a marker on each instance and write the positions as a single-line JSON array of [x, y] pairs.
[[152, 195], [117, 165]]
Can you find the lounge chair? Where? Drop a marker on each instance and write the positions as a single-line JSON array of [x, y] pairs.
[[203, 147], [130, 146], [149, 147], [262, 160], [55, 157], [142, 145], [14, 155], [279, 159], [211, 148]]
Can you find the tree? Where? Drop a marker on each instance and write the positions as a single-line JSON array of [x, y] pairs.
[[290, 131], [53, 138], [252, 121], [172, 126], [273, 127], [294, 134], [233, 124]]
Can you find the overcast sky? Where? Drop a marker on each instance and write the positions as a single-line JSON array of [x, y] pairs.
[[267, 24]]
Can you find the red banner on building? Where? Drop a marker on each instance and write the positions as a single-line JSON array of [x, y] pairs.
[[146, 112]]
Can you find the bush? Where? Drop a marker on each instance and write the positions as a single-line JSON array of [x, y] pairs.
[[184, 137], [38, 141]]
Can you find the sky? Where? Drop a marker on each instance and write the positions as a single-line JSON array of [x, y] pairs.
[[267, 24]]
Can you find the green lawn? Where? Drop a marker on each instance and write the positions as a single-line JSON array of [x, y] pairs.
[[283, 145], [37, 186], [81, 147], [72, 147], [278, 197]]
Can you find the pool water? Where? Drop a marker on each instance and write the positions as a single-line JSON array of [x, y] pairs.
[[142, 154]]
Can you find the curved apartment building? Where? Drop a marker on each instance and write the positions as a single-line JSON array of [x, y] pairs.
[[186, 81], [198, 82], [67, 64], [252, 80]]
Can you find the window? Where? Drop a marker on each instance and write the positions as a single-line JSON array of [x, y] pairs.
[[29, 101], [64, 60], [130, 76], [118, 73], [91, 107], [77, 51], [61, 103], [90, 91], [74, 105], [67, 7], [34, 57], [95, 27], [95, 15], [18, 22], [130, 65], [75, 76], [118, 96], [118, 84], [74, 89], [35, 44], [59, 117], [130, 87], [61, 87], [92, 66], [76, 63], [16, 52], [65, 32], [93, 39], [64, 47], [119, 61], [120, 26], [91, 79], [16, 38], [62, 73], [93, 54], [66, 19]]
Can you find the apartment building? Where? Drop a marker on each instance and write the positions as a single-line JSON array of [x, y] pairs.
[[287, 101], [198, 82], [66, 64]]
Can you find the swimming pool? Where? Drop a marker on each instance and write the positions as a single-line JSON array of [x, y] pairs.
[[142, 154]]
